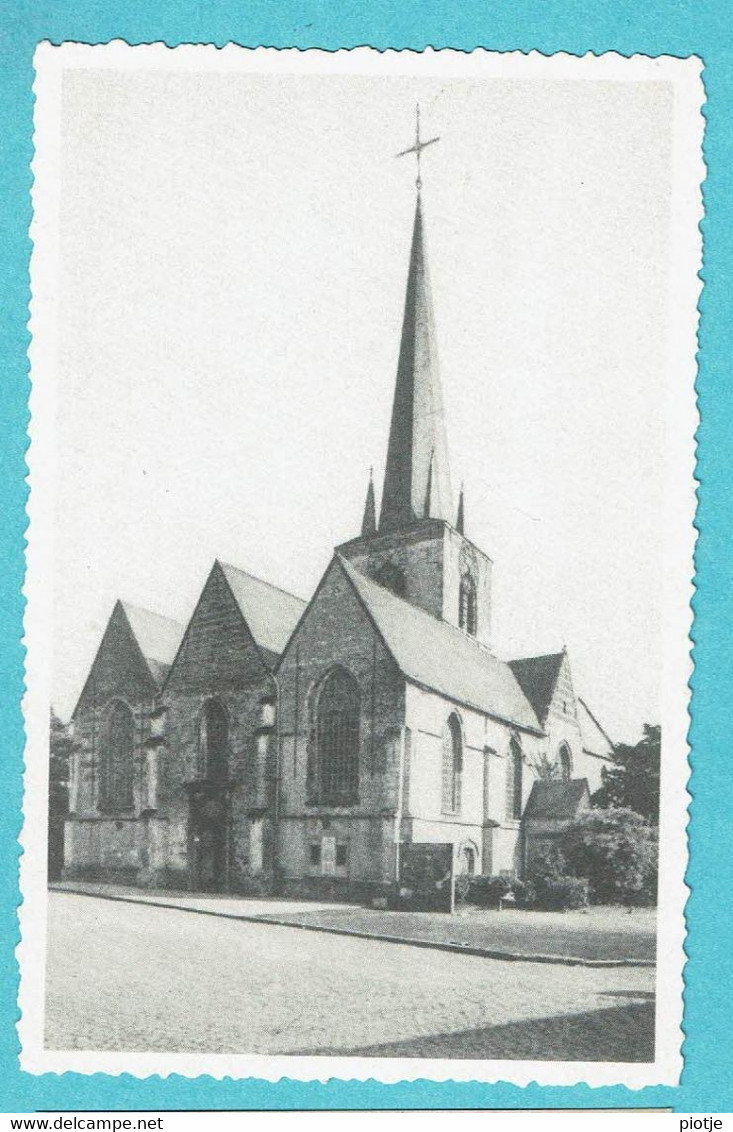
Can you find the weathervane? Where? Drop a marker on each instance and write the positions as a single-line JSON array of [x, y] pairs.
[[418, 147]]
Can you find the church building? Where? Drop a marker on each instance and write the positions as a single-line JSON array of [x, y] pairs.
[[277, 746]]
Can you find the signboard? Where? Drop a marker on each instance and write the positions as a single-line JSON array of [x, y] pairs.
[[328, 856], [426, 877]]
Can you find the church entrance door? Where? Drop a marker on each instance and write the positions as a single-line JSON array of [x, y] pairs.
[[208, 838]]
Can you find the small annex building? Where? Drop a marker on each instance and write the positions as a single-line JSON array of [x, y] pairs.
[[279, 745]]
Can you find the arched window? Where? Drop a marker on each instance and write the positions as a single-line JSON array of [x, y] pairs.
[[116, 764], [467, 605], [514, 781], [337, 740], [392, 577], [565, 762], [213, 742], [452, 766]]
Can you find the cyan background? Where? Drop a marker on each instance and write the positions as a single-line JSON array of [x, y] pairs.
[[654, 27]]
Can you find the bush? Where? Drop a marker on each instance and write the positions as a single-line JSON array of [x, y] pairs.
[[524, 893], [549, 884], [547, 863], [487, 891], [462, 887], [616, 850], [562, 894]]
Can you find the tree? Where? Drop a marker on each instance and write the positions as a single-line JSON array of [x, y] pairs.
[[633, 782], [546, 769], [616, 850], [61, 747], [550, 884]]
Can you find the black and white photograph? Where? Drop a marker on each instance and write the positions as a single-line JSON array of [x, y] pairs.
[[359, 563]]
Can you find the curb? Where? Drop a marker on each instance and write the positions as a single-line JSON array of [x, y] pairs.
[[407, 941]]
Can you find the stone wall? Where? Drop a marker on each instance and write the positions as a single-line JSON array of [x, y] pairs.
[[337, 631], [418, 553], [462, 557]]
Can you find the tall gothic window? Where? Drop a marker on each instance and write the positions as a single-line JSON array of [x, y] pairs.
[[337, 740], [566, 762], [467, 605], [117, 761], [514, 781], [452, 766], [213, 742]]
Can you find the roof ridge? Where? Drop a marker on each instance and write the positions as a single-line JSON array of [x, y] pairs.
[[150, 612], [540, 656], [265, 582], [492, 668], [599, 725]]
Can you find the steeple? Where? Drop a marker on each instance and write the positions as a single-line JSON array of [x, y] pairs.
[[417, 450], [417, 552], [369, 522]]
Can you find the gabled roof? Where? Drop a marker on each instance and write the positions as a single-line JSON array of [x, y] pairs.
[[271, 613], [152, 639], [557, 801], [594, 738], [157, 636], [537, 676], [438, 656]]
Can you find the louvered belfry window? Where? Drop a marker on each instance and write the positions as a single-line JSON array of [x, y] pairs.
[[467, 618], [452, 766], [337, 740], [116, 764]]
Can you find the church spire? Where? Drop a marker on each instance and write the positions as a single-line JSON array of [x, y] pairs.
[[369, 522], [417, 450]]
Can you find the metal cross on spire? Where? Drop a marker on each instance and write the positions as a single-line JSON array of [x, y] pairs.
[[418, 147]]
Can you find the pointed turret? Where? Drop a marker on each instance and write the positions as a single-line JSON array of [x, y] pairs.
[[369, 522], [429, 489], [461, 517], [417, 449]]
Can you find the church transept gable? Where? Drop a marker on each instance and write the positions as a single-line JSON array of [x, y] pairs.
[[336, 628], [119, 669], [563, 702], [337, 632], [218, 651]]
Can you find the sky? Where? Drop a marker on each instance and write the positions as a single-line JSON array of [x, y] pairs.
[[232, 262]]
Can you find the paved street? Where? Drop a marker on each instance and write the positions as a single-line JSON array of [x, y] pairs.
[[129, 977]]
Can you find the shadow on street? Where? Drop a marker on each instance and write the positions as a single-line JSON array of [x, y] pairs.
[[619, 1033]]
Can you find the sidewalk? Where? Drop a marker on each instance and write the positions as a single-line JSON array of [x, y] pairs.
[[598, 938]]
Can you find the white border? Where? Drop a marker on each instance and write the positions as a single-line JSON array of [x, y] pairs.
[[681, 421]]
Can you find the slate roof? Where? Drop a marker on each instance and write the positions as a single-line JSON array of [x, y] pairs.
[[439, 656], [537, 676], [157, 636], [416, 474], [557, 801], [594, 738], [270, 613]]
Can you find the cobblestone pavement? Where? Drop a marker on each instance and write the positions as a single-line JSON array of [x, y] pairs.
[[130, 977]]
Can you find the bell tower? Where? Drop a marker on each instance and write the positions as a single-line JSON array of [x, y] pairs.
[[415, 550]]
